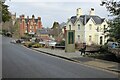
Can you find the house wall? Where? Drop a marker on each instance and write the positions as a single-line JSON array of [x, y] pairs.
[[79, 32], [90, 30], [95, 35]]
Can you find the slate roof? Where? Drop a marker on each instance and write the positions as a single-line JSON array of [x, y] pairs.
[[73, 19], [85, 18], [62, 25], [42, 31]]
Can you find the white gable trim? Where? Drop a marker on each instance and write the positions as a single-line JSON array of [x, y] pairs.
[[105, 21], [91, 20]]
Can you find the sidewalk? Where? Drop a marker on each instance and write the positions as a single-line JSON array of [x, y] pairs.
[[76, 57]]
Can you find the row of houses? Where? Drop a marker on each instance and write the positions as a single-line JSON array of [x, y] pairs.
[[29, 25], [89, 29], [33, 26]]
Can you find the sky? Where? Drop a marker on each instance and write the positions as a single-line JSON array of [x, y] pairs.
[[54, 10]]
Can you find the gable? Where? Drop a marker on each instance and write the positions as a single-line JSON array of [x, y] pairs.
[[92, 20]]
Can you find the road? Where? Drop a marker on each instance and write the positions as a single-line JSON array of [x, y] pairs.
[[20, 62]]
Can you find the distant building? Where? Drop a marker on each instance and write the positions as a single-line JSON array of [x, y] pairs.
[[89, 29], [43, 34], [29, 25]]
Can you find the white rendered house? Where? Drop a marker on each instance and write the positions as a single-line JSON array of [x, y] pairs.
[[89, 29]]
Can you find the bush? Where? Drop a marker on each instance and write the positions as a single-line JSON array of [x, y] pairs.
[[28, 44], [36, 45], [62, 43]]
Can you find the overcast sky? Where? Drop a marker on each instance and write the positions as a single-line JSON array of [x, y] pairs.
[[54, 10]]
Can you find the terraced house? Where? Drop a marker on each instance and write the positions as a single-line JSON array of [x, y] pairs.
[[29, 25], [89, 29]]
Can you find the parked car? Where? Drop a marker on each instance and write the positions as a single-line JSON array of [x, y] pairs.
[[42, 42], [113, 45], [52, 43], [13, 41]]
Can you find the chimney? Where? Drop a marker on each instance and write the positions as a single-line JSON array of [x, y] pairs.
[[79, 12], [23, 16], [92, 11], [33, 16], [39, 18]]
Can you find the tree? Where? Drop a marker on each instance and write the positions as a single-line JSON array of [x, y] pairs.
[[114, 25], [4, 11], [15, 30]]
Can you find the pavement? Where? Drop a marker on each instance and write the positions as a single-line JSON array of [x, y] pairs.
[[76, 57]]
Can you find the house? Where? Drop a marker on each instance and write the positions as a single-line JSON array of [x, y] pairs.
[[29, 25], [56, 32], [43, 34], [89, 29]]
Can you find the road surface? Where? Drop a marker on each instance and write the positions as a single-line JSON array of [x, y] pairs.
[[20, 62]]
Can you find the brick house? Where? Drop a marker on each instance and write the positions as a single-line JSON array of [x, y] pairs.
[[29, 25]]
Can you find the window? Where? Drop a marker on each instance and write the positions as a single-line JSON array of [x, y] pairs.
[[69, 27], [97, 29], [101, 41], [90, 26], [90, 38], [78, 26], [101, 29], [105, 28], [78, 38]]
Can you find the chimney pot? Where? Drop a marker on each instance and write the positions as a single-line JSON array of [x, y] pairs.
[[92, 11], [79, 12], [39, 18]]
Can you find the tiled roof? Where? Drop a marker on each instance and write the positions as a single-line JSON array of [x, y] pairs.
[[85, 18]]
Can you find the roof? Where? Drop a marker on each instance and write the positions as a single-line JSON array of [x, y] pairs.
[[62, 25], [42, 31], [73, 19], [85, 18], [26, 20]]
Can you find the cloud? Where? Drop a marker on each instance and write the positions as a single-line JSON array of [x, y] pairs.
[[54, 11]]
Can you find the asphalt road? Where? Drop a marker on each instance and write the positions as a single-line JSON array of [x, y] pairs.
[[20, 62]]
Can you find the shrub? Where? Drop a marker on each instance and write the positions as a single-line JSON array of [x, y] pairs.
[[36, 45], [62, 43], [28, 44]]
